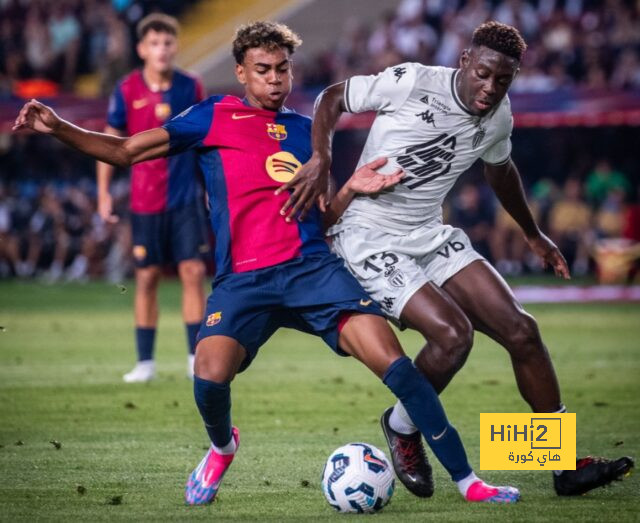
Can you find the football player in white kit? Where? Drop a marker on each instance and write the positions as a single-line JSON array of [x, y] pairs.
[[434, 122]]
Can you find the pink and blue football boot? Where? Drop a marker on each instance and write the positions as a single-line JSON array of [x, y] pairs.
[[483, 493], [204, 482]]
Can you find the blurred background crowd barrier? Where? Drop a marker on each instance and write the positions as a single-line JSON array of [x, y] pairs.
[[576, 109]]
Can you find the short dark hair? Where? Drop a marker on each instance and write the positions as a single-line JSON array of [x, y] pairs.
[[158, 22], [270, 35], [500, 37]]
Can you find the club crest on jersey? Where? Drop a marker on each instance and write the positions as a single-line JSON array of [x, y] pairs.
[[395, 277], [214, 319], [282, 166], [479, 136], [139, 252], [277, 131], [162, 111]]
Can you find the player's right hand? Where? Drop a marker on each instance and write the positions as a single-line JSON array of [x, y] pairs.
[[105, 208], [309, 186], [37, 116]]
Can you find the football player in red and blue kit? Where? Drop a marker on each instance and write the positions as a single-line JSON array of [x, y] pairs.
[[272, 272], [167, 217]]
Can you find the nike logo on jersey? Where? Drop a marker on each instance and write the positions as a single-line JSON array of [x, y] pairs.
[[365, 303], [236, 116], [436, 438], [139, 104]]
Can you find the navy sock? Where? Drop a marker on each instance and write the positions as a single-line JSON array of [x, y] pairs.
[[145, 340], [423, 405], [214, 403], [192, 334]]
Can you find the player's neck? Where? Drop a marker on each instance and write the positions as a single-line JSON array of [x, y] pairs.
[[253, 102], [157, 81], [457, 85]]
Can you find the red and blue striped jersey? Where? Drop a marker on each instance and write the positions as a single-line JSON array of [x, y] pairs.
[[245, 154], [165, 183]]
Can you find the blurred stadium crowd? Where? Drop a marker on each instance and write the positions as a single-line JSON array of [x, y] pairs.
[[580, 216], [46, 45], [50, 229], [585, 43]]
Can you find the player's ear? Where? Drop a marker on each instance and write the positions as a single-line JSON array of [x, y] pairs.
[[464, 58], [142, 51], [240, 75]]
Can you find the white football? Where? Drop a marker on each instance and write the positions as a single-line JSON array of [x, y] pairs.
[[358, 478]]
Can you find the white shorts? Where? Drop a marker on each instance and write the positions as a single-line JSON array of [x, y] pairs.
[[391, 268]]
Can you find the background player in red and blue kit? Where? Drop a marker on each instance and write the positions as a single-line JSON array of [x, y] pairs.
[[271, 273], [167, 221]]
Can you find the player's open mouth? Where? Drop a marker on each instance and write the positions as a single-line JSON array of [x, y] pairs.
[[483, 105]]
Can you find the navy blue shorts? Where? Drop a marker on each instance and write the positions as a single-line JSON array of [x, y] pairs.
[[309, 294], [169, 237]]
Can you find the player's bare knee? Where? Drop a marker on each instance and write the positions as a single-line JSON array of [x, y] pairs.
[[218, 358], [456, 343], [448, 358], [213, 369], [523, 336], [147, 279], [192, 272]]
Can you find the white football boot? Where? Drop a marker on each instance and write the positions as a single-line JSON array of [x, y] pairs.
[[143, 371]]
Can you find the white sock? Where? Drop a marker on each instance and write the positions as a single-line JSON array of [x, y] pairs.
[[229, 448], [400, 421], [465, 483], [191, 358]]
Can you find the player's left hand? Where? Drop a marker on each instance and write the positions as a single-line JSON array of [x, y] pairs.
[[310, 185], [550, 254]]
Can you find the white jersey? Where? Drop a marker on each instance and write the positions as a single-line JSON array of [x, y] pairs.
[[422, 127]]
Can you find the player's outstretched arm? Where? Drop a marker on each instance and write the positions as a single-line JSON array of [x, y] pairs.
[[110, 149], [104, 173], [507, 184], [365, 180], [311, 182]]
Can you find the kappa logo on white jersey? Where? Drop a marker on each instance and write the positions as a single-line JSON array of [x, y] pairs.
[[387, 303], [398, 72], [427, 116]]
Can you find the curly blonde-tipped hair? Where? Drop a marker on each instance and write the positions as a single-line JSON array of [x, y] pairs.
[[500, 37], [270, 35]]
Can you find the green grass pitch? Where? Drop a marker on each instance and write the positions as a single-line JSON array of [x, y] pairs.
[[126, 450]]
